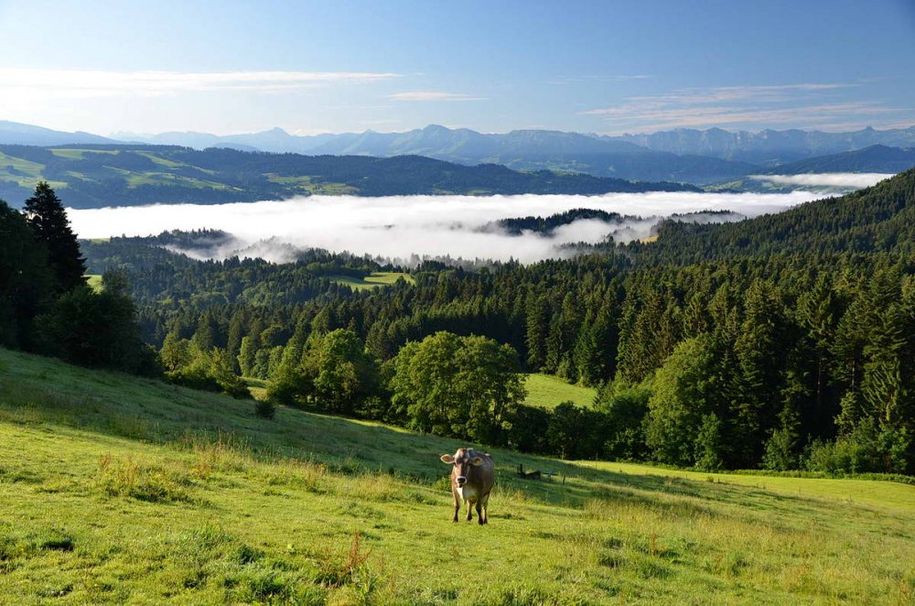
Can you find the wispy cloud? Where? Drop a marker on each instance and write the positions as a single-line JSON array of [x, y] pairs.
[[433, 95], [783, 105], [66, 83], [598, 78]]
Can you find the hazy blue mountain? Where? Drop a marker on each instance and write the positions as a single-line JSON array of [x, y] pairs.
[[187, 139], [699, 157], [273, 140], [539, 150], [27, 134], [873, 159], [769, 147], [519, 150]]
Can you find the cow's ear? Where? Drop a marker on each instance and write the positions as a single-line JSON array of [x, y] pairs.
[[447, 458], [476, 461]]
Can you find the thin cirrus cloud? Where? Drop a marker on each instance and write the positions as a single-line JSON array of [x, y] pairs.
[[805, 104], [433, 95], [75, 83]]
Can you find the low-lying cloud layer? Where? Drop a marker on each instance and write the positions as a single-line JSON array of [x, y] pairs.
[[400, 227], [828, 180]]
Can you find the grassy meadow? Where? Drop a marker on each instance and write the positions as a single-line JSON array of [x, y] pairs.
[[547, 391], [373, 280], [115, 489]]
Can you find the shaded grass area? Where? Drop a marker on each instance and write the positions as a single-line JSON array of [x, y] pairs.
[[548, 391], [78, 154], [115, 489]]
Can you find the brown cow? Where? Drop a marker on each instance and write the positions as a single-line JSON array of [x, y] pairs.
[[472, 477]]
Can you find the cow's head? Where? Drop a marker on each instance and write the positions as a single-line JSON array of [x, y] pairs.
[[462, 460]]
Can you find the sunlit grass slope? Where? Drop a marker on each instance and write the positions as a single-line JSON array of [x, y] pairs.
[[373, 280], [122, 490], [548, 391]]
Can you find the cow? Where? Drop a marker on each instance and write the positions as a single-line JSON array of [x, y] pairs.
[[472, 477]]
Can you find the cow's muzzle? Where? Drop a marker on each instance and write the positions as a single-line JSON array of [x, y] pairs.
[[461, 480]]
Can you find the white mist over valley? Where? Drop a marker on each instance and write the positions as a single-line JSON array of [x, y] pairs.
[[404, 227]]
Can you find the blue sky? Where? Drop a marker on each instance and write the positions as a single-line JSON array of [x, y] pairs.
[[607, 67]]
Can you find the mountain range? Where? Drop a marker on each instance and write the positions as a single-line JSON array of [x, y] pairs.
[[695, 156], [700, 157]]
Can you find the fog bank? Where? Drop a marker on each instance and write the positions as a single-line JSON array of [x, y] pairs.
[[849, 181], [397, 227]]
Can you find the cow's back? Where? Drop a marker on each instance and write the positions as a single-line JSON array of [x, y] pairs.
[[482, 476]]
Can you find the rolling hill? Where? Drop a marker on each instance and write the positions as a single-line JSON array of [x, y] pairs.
[[702, 157], [877, 219], [876, 159], [16, 133], [142, 492], [109, 175]]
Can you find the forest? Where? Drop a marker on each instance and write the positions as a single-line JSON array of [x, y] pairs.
[[785, 342]]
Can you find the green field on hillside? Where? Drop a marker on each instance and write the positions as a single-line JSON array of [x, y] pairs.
[[548, 391], [79, 154], [373, 280], [115, 489]]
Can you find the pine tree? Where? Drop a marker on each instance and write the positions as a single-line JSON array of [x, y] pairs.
[[26, 284], [49, 221]]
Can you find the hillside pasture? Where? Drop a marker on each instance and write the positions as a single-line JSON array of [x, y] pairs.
[[548, 391], [373, 280], [116, 489]]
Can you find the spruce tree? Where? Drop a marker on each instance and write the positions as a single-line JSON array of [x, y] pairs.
[[49, 221]]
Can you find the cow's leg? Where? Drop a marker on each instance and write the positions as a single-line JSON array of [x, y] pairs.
[[457, 505], [480, 518], [485, 500], [469, 510]]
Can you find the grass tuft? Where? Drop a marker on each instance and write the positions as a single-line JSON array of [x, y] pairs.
[[128, 478]]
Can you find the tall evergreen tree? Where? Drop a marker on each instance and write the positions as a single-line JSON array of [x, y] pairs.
[[48, 219], [25, 282]]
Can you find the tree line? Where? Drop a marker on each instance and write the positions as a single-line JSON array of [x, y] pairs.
[[46, 306]]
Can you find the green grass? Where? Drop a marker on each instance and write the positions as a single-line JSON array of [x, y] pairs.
[[373, 280], [115, 489], [548, 391], [24, 173], [304, 184], [21, 165], [257, 387], [141, 178], [79, 154], [162, 161]]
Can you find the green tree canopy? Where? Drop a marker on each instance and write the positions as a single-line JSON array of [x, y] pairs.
[[48, 219], [462, 386]]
